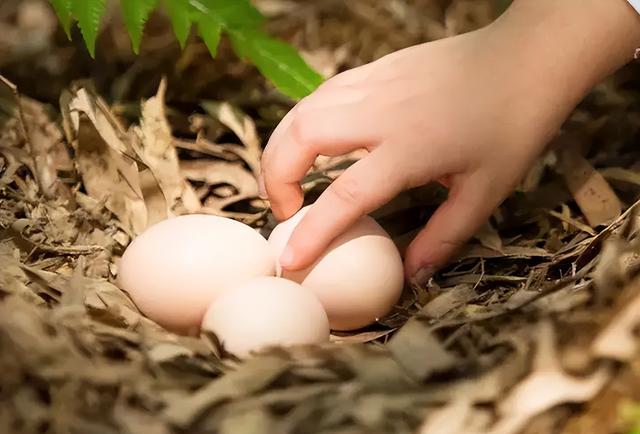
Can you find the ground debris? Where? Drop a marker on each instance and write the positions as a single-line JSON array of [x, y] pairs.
[[537, 312]]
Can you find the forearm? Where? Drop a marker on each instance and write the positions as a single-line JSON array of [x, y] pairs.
[[569, 45]]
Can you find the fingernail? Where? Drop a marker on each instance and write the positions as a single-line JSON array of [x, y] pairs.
[[287, 257], [422, 276]]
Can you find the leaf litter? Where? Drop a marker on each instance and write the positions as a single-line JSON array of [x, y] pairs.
[[531, 329]]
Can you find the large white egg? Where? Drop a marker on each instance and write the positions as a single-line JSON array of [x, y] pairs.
[[359, 277], [176, 268], [266, 312]]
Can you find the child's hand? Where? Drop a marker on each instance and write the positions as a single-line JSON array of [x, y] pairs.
[[471, 112]]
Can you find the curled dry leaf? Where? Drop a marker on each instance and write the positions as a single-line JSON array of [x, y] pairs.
[[40, 135], [362, 337], [212, 173], [591, 191], [417, 349], [156, 149], [611, 272], [545, 387], [107, 172], [489, 237], [456, 417], [619, 340], [243, 127], [448, 300], [251, 377]]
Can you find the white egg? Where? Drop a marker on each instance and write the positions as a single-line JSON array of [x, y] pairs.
[[358, 279], [266, 312], [176, 268]]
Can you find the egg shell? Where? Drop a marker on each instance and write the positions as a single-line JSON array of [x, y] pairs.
[[265, 312], [359, 277], [177, 267]]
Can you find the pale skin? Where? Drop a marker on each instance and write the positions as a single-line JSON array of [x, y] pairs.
[[471, 112]]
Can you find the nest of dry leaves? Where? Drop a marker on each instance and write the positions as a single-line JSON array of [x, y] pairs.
[[532, 329]]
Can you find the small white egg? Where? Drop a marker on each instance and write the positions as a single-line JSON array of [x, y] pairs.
[[176, 268], [266, 312], [359, 277]]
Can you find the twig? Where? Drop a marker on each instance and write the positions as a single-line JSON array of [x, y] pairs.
[[503, 310], [23, 125], [573, 222]]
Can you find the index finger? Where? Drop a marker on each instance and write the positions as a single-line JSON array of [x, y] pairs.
[[362, 188], [333, 128]]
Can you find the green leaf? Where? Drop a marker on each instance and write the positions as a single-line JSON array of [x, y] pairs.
[[136, 13], [277, 61], [210, 30], [88, 13], [63, 10], [180, 13], [232, 14]]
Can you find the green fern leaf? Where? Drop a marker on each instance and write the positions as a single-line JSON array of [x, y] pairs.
[[232, 14], [277, 61], [88, 13], [136, 13], [63, 10], [210, 30], [180, 14]]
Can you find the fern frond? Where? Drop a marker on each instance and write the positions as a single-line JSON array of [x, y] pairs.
[[277, 61], [179, 12], [63, 10], [210, 31], [89, 13], [136, 13], [232, 14]]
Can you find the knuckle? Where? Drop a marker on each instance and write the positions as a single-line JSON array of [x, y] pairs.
[[302, 131], [452, 243], [347, 190]]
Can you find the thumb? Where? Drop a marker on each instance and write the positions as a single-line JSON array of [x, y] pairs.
[[469, 205]]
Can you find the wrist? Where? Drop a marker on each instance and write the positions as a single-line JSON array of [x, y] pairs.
[[569, 46]]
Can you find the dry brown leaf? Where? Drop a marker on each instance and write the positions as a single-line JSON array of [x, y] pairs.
[[546, 387], [360, 338], [567, 220], [416, 348], [156, 149], [489, 237], [619, 341], [243, 127], [593, 194], [459, 416], [449, 299], [83, 102], [476, 251], [214, 173], [13, 279], [107, 173], [251, 377], [611, 272], [535, 174], [41, 137], [621, 174], [202, 145]]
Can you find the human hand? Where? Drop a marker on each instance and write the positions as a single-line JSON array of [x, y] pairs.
[[470, 112]]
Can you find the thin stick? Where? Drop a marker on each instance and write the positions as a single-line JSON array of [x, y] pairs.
[[21, 118]]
